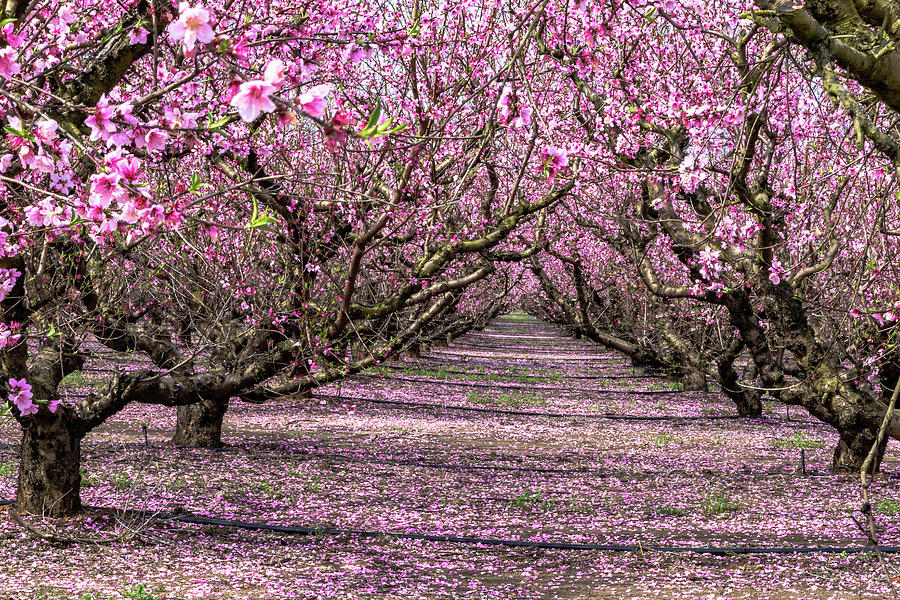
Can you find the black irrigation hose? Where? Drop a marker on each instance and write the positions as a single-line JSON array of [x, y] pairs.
[[431, 357], [557, 415], [554, 471], [457, 539], [530, 413], [559, 348], [549, 351], [435, 358], [610, 417], [537, 340], [459, 372], [540, 339], [441, 354], [588, 377], [451, 467], [518, 387]]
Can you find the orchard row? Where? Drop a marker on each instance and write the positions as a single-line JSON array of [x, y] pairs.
[[245, 200]]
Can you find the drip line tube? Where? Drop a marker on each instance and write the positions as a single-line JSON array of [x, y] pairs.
[[473, 540], [456, 355], [531, 413], [450, 371], [460, 372], [551, 470], [520, 387], [435, 358], [546, 348], [609, 417], [340, 458]]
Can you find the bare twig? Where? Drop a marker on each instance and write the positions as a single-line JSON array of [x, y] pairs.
[[865, 477], [55, 537]]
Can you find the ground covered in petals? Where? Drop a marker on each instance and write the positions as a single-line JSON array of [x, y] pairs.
[[513, 433]]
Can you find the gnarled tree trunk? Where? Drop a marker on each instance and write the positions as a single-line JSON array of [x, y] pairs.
[[746, 400], [49, 479], [693, 381], [200, 425], [852, 450]]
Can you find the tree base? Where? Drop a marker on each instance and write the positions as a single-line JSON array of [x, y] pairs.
[[49, 480], [852, 450], [748, 404], [200, 425], [694, 381]]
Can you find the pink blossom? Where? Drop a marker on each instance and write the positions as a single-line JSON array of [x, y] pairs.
[[7, 337], [774, 277], [8, 66], [93, 213], [104, 189], [26, 154], [8, 278], [192, 26], [20, 395], [42, 163], [511, 111], [108, 225], [710, 267], [239, 49], [45, 130], [13, 39], [156, 139], [138, 36], [101, 121], [505, 104], [26, 408], [129, 168], [67, 14], [253, 99], [523, 119], [555, 160], [179, 120], [275, 72], [53, 406], [129, 213], [336, 130], [313, 101], [47, 214], [154, 215]]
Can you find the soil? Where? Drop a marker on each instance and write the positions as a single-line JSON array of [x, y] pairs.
[[352, 463]]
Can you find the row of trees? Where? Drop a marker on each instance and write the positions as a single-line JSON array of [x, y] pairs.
[[261, 198], [744, 173], [225, 190]]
